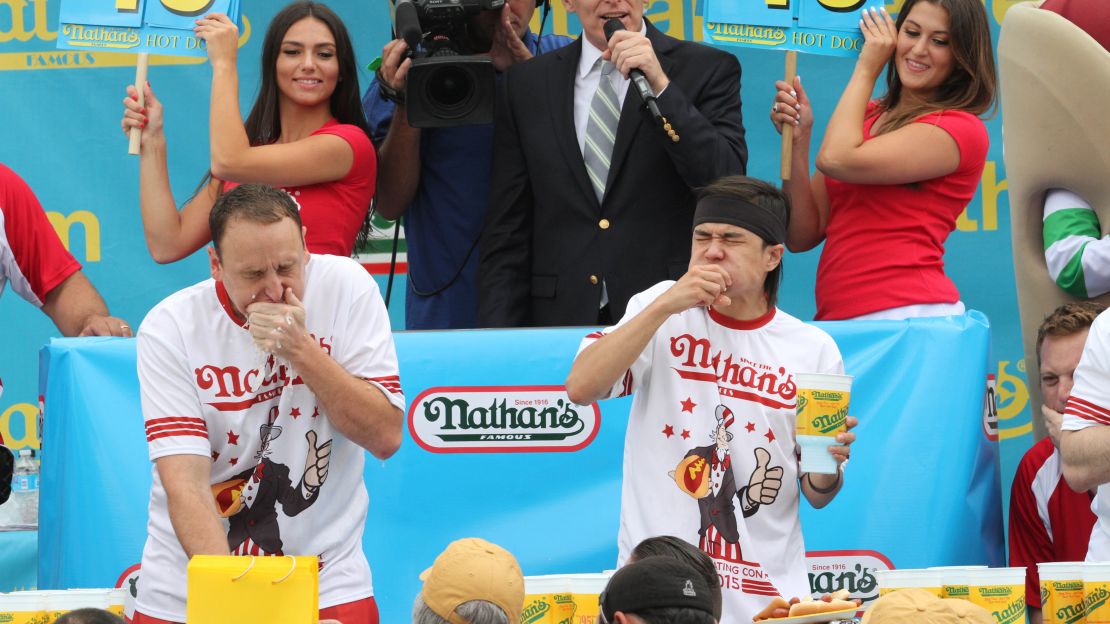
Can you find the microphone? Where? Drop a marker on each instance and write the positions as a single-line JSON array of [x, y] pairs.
[[643, 87], [408, 24]]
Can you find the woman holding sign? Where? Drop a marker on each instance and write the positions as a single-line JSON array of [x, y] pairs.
[[306, 134], [893, 174]]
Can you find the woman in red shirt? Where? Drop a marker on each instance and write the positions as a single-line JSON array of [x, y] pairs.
[[893, 174], [306, 133]]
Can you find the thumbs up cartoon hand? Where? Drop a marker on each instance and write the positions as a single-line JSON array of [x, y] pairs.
[[316, 465], [764, 484]]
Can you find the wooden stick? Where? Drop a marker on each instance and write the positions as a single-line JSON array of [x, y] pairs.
[[140, 85], [788, 129]]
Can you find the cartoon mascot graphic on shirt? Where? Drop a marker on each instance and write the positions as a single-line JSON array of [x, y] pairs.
[[249, 500], [705, 473]]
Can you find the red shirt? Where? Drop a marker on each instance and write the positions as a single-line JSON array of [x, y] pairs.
[[1048, 520], [31, 255], [884, 244], [333, 212]]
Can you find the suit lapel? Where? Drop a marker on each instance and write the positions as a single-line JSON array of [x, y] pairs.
[[633, 113], [561, 95]]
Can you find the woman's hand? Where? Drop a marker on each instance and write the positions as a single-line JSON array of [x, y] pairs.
[[792, 107], [147, 118], [221, 37], [880, 36]]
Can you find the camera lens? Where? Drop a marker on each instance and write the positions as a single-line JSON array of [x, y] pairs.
[[450, 88]]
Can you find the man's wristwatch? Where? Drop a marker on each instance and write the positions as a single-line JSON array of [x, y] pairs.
[[387, 92]]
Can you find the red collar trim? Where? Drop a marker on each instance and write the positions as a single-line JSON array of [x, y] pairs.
[[225, 302], [750, 324]]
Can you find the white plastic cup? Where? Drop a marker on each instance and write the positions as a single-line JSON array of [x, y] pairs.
[[1061, 592], [1096, 592], [821, 413], [1001, 591], [59, 602], [22, 607], [547, 599], [892, 580], [117, 601], [954, 580]]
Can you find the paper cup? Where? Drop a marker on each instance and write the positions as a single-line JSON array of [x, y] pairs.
[[23, 608], [1062, 593], [60, 602], [546, 599], [822, 412], [586, 588], [893, 580], [954, 580], [1096, 592], [117, 601], [1001, 591]]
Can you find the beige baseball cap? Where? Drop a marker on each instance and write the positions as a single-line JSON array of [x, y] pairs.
[[910, 605], [473, 569]]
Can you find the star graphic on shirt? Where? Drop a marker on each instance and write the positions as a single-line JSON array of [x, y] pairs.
[[688, 405], [750, 427], [770, 435], [233, 461], [232, 438], [215, 455], [315, 411], [668, 431], [685, 434], [296, 411]]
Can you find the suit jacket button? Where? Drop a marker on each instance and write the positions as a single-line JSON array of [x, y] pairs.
[[593, 279], [603, 224]]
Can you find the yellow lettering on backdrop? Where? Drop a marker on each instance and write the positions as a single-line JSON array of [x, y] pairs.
[[778, 4], [91, 225], [19, 30], [30, 414], [127, 6], [1013, 396], [841, 6], [187, 7], [992, 187]]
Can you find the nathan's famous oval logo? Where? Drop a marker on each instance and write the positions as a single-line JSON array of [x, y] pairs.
[[501, 419], [852, 570]]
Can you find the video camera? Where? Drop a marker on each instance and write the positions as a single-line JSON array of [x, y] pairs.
[[450, 83]]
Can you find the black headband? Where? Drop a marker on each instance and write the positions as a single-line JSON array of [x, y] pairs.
[[767, 223]]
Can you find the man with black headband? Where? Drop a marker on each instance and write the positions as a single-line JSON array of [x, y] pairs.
[[710, 451]]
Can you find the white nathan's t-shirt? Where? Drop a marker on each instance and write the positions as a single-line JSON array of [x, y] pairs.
[[1089, 406], [700, 373], [207, 390]]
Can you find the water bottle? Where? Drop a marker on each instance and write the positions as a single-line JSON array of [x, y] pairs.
[[25, 489]]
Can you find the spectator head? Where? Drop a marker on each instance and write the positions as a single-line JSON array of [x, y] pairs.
[[263, 124], [471, 582], [740, 224], [257, 246], [971, 81], [89, 616], [921, 607], [657, 590], [681, 550], [1060, 341]]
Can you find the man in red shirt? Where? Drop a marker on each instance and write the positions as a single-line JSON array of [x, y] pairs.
[[34, 261], [1048, 520]]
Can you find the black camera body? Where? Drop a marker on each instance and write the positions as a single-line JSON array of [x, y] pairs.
[[450, 82]]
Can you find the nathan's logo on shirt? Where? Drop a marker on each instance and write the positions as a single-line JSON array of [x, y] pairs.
[[735, 376], [851, 570], [501, 419], [231, 382]]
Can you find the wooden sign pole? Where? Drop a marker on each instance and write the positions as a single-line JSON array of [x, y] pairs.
[[140, 86], [788, 129]]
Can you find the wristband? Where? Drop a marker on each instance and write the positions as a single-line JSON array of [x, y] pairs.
[[387, 92], [831, 488]]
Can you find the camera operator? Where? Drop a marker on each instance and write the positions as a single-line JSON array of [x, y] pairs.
[[438, 178]]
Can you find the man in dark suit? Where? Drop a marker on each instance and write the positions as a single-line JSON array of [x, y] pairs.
[[566, 242]]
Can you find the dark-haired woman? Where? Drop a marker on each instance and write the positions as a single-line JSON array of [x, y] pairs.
[[893, 174], [306, 134]]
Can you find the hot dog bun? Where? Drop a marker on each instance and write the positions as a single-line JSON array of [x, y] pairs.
[[769, 611], [812, 607]]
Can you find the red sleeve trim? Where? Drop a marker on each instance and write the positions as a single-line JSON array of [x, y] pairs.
[[1087, 410], [391, 383]]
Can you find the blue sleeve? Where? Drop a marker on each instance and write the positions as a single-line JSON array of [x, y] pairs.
[[379, 113]]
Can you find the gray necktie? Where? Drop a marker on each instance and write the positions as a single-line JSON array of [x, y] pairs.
[[601, 130]]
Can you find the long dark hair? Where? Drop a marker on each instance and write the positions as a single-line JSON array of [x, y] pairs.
[[971, 85], [263, 124]]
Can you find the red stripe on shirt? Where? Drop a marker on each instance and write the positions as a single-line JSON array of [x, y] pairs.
[[176, 432], [1094, 408]]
